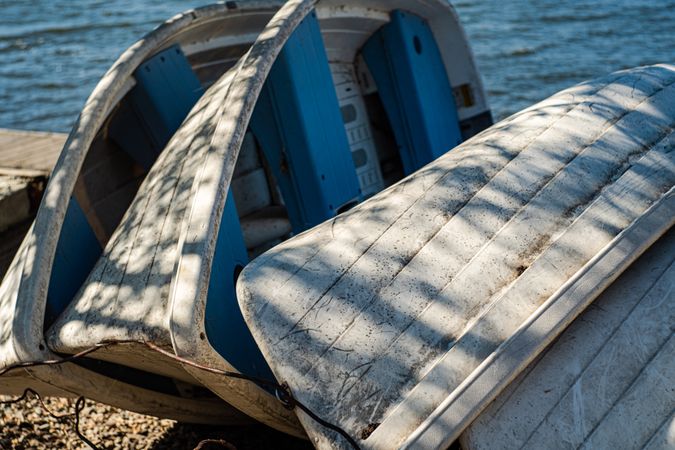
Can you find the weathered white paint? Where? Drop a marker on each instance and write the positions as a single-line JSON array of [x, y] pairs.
[[607, 382], [191, 282], [24, 289], [155, 272], [416, 308]]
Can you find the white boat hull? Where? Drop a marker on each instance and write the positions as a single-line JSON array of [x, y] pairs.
[[607, 381], [402, 319]]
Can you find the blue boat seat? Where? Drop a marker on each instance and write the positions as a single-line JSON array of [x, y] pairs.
[[165, 92], [298, 124], [405, 62]]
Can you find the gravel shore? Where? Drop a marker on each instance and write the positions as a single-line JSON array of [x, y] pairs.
[[26, 425]]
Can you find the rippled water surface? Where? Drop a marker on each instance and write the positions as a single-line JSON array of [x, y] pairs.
[[53, 52]]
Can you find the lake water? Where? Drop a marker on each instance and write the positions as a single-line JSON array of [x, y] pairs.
[[53, 52]]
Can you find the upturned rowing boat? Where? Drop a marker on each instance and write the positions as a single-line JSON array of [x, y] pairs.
[[335, 101], [125, 124], [400, 320]]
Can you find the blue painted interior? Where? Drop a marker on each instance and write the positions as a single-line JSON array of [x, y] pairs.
[[406, 64], [298, 125], [225, 326], [76, 253], [166, 90]]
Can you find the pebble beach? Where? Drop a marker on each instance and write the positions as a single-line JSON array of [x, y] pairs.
[[26, 425]]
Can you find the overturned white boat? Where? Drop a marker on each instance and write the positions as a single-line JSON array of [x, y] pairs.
[[335, 101], [124, 125], [400, 320]]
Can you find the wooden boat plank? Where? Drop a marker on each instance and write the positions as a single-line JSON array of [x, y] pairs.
[[600, 388], [643, 406], [334, 321], [30, 150], [585, 376]]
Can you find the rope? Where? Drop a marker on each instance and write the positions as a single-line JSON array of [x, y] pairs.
[[79, 405], [283, 391]]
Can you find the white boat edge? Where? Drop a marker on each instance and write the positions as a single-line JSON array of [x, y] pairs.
[[23, 290], [403, 427]]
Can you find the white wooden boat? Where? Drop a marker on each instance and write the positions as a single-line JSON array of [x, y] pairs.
[[400, 320], [607, 382], [124, 125], [316, 136]]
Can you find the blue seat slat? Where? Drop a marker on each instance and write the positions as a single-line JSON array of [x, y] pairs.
[[406, 64], [298, 124], [165, 92], [77, 251]]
